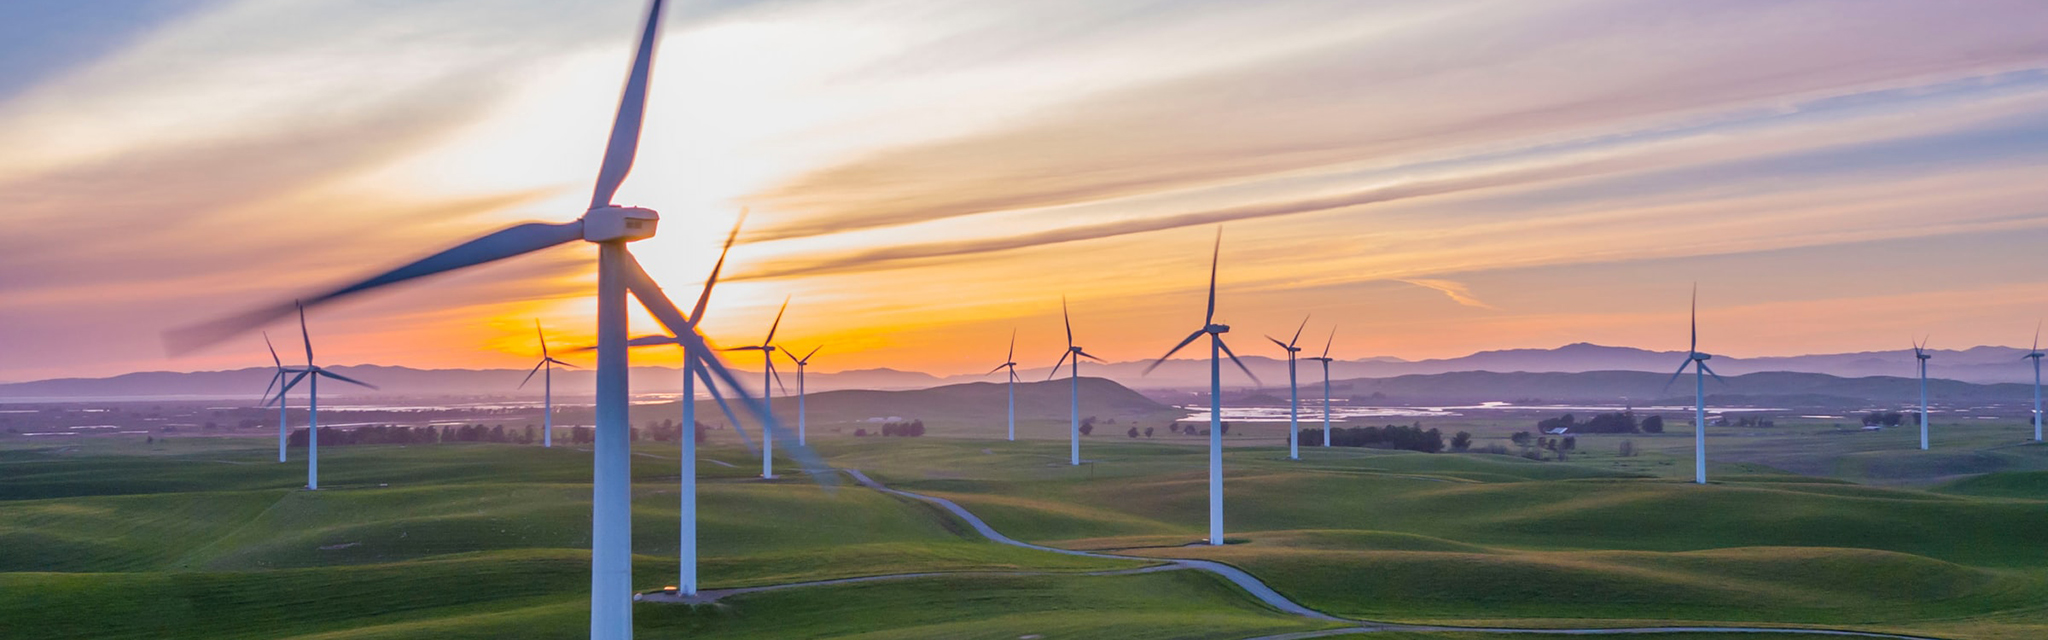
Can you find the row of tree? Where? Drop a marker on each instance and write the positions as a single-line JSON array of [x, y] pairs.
[[666, 431], [1393, 436], [911, 429], [1619, 422]]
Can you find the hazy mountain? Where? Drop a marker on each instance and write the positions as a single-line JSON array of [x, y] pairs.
[[1781, 389], [1977, 365]]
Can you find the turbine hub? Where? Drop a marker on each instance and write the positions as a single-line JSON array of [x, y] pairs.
[[619, 224]]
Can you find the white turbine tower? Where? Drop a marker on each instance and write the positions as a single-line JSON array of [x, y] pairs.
[[547, 398], [1216, 352], [2035, 355], [282, 374], [610, 227], [1293, 392], [1325, 359], [768, 376], [686, 554], [1920, 353], [1010, 363], [800, 364], [1074, 385], [1698, 361], [312, 375]]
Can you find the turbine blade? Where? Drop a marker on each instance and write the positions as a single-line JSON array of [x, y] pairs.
[[541, 335], [1176, 349], [1282, 345], [772, 373], [2037, 337], [565, 364], [1326, 345], [287, 388], [1013, 374], [344, 378], [529, 374], [697, 368], [1056, 366], [1013, 346], [695, 348], [1068, 319], [274, 378], [625, 139], [704, 299], [1674, 376], [807, 356], [1695, 348], [1710, 371], [777, 323], [305, 335], [1240, 363], [1214, 258], [1297, 333], [990, 371], [280, 361], [497, 245], [1090, 356]]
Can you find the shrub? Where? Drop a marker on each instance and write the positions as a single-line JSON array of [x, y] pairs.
[[1461, 442], [1653, 424]]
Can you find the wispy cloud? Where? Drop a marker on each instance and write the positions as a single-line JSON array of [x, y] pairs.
[[1456, 291]]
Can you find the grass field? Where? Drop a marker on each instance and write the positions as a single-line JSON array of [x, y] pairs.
[[209, 537]]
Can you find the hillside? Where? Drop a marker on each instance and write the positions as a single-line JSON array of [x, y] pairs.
[[1773, 388]]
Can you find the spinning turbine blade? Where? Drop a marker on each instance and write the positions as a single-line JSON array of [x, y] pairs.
[[344, 378], [498, 245], [1176, 349], [625, 141], [287, 388], [697, 368], [1013, 345], [990, 371], [1282, 345], [275, 376], [807, 357], [1297, 334], [1331, 341], [529, 374], [1695, 348], [658, 305], [772, 373], [1240, 363]]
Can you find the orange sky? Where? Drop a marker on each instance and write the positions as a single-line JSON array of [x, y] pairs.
[[1433, 178]]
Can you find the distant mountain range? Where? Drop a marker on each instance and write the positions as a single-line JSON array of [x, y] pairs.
[[1769, 389], [1981, 365]]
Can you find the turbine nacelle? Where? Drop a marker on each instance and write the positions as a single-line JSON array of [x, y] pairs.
[[1701, 356], [1924, 356], [619, 224], [1217, 329]]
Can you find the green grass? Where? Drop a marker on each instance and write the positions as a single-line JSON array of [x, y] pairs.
[[213, 539]]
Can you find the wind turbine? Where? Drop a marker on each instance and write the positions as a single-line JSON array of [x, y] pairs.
[[1074, 385], [2035, 355], [1216, 351], [1009, 362], [1698, 361], [768, 375], [1920, 353], [312, 374], [547, 370], [610, 227], [1293, 393], [800, 364], [1325, 359], [284, 373]]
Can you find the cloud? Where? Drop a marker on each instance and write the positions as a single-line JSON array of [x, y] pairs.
[[1456, 291]]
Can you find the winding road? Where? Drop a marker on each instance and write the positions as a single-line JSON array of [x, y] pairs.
[[1251, 585]]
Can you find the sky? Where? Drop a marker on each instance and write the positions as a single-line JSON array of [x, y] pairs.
[[1425, 178]]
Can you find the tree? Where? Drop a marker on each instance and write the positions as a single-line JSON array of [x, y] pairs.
[[860, 433], [1225, 426], [1133, 433], [1570, 443], [1461, 442], [1087, 428], [1653, 424], [1521, 438]]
